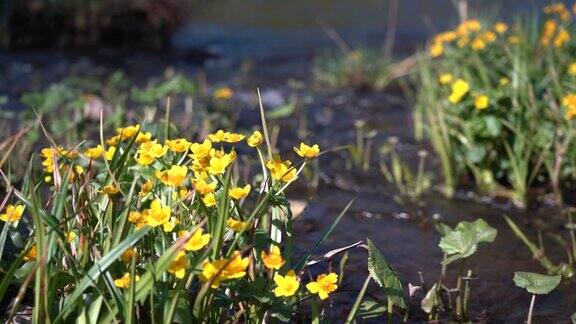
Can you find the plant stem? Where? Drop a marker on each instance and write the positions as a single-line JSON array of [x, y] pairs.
[[529, 320], [315, 312], [356, 305], [390, 310]]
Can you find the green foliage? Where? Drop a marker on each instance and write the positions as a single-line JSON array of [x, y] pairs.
[[511, 125], [463, 241], [359, 69], [535, 283], [383, 273]]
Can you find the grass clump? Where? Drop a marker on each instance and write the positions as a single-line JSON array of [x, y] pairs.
[[496, 102]]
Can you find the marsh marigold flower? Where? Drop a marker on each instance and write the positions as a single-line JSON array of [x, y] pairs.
[[238, 226], [572, 69], [436, 49], [137, 219], [281, 170], [173, 176], [478, 44], [146, 188], [562, 38], [239, 192], [273, 258], [12, 214], [445, 78], [255, 139], [504, 81], [324, 285], [124, 281], [169, 225], [128, 255], [179, 265], [30, 255], [178, 145], [204, 188], [481, 102], [143, 137], [459, 89], [94, 152], [148, 152], [224, 269], [109, 154], [501, 27], [128, 131], [110, 190], [569, 101], [223, 93], [218, 164], [197, 241], [201, 150], [209, 200], [306, 151], [157, 214], [287, 285]]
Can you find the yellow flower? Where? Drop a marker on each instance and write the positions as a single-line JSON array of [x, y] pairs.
[[124, 281], [281, 170], [94, 152], [562, 38], [128, 132], [201, 150], [109, 154], [30, 255], [209, 200], [157, 214], [78, 169], [146, 188], [500, 27], [114, 140], [481, 102], [109, 190], [233, 137], [238, 226], [287, 285], [70, 236], [224, 269], [569, 101], [178, 145], [273, 259], [504, 81], [149, 151], [514, 39], [436, 49], [459, 89], [217, 137], [128, 255], [204, 188], [137, 219], [197, 241], [478, 44], [143, 137], [223, 93], [445, 78], [179, 265], [572, 69], [306, 151], [255, 139], [12, 214], [489, 36], [218, 164], [169, 226], [173, 176], [324, 285], [239, 192]]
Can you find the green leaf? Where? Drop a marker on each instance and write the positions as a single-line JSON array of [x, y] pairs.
[[463, 241], [536, 283], [383, 273], [98, 268], [431, 300], [370, 309]]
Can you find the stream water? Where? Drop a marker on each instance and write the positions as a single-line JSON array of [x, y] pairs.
[[280, 39]]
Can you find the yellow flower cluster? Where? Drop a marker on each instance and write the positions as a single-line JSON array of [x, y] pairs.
[[470, 33], [224, 269]]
